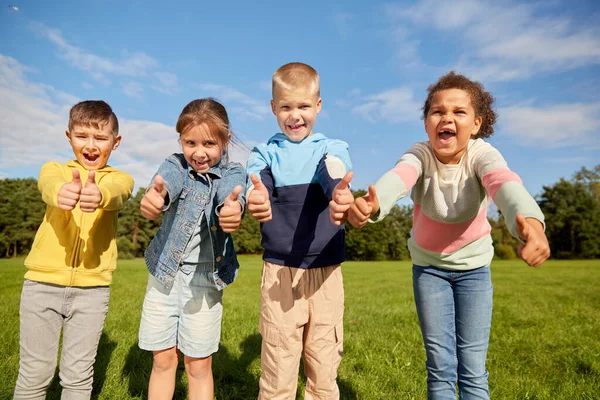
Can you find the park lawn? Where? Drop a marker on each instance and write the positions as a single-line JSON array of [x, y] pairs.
[[545, 340]]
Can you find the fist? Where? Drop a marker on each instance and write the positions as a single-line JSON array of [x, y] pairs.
[[68, 194], [259, 204], [91, 196], [341, 200], [230, 215], [154, 199]]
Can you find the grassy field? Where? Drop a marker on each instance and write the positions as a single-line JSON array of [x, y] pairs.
[[545, 340]]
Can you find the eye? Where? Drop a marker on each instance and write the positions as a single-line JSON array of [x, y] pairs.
[[285, 107], [210, 143], [304, 106], [189, 143]]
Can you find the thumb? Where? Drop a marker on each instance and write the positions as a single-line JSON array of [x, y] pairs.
[[233, 196], [76, 177], [345, 182], [159, 184], [372, 195], [522, 227], [91, 180], [258, 185]]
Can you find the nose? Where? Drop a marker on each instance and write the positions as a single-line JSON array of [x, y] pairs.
[[90, 143], [446, 118]]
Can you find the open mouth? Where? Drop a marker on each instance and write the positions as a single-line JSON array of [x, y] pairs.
[[199, 165], [91, 158], [296, 128], [446, 136]]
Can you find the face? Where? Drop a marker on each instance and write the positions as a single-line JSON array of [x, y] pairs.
[[296, 111], [450, 123], [92, 146], [201, 149]]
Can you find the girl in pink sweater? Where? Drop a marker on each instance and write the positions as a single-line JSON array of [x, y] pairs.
[[452, 177]]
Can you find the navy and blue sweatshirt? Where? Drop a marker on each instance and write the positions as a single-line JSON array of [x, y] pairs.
[[300, 178]]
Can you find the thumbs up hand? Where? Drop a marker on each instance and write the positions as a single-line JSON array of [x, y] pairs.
[[341, 200], [363, 208], [154, 200], [68, 194], [259, 204], [91, 197], [536, 248], [230, 215]]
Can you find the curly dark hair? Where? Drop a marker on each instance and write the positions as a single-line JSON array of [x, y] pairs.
[[482, 100]]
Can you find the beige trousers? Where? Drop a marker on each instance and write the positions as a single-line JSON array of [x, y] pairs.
[[301, 314]]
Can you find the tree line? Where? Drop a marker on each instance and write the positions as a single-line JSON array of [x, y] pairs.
[[571, 207]]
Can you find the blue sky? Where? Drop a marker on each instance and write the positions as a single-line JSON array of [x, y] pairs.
[[148, 59]]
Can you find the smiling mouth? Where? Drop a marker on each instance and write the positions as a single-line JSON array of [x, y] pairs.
[[296, 127], [446, 136], [91, 158]]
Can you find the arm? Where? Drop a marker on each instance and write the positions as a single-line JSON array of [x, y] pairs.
[[522, 215], [333, 166], [171, 171], [50, 181], [396, 183], [115, 188]]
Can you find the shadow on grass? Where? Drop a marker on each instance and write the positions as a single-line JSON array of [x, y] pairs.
[[233, 380], [105, 349]]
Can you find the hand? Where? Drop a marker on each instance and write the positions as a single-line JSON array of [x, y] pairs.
[[536, 249], [259, 204], [91, 196], [68, 194], [230, 215], [154, 199], [363, 208], [341, 200]]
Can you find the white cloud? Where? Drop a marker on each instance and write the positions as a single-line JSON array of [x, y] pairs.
[[244, 106], [393, 106], [86, 85], [564, 125], [133, 89], [506, 41], [137, 64], [34, 117]]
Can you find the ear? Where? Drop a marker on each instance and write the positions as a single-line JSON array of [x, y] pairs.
[[117, 142], [273, 107], [476, 125], [68, 136], [319, 105]]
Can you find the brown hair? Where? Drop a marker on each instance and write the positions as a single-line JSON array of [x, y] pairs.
[[94, 113], [206, 111], [296, 74], [482, 101]]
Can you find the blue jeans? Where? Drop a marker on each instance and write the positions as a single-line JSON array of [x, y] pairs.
[[455, 314]]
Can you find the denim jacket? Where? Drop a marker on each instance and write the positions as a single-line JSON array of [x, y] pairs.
[[190, 196]]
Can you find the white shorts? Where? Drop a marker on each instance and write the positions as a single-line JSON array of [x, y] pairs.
[[187, 316]]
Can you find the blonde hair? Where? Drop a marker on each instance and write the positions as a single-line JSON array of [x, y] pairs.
[[94, 113], [295, 74], [206, 111]]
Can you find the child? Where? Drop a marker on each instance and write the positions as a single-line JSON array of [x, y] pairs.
[[72, 258], [453, 176], [302, 294], [191, 258]]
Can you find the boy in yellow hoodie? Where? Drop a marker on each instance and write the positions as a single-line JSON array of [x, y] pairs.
[[72, 258]]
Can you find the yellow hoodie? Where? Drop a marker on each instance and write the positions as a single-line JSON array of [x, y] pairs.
[[75, 248]]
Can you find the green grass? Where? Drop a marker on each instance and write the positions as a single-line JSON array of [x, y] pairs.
[[545, 340]]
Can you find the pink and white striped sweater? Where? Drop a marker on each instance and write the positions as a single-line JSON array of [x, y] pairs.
[[450, 227]]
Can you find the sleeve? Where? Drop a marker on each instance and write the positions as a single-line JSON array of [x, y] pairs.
[[234, 176], [50, 180], [171, 170], [333, 166], [505, 188], [397, 182], [116, 188], [258, 164]]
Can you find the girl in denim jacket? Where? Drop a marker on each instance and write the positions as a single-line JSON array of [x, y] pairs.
[[191, 258]]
